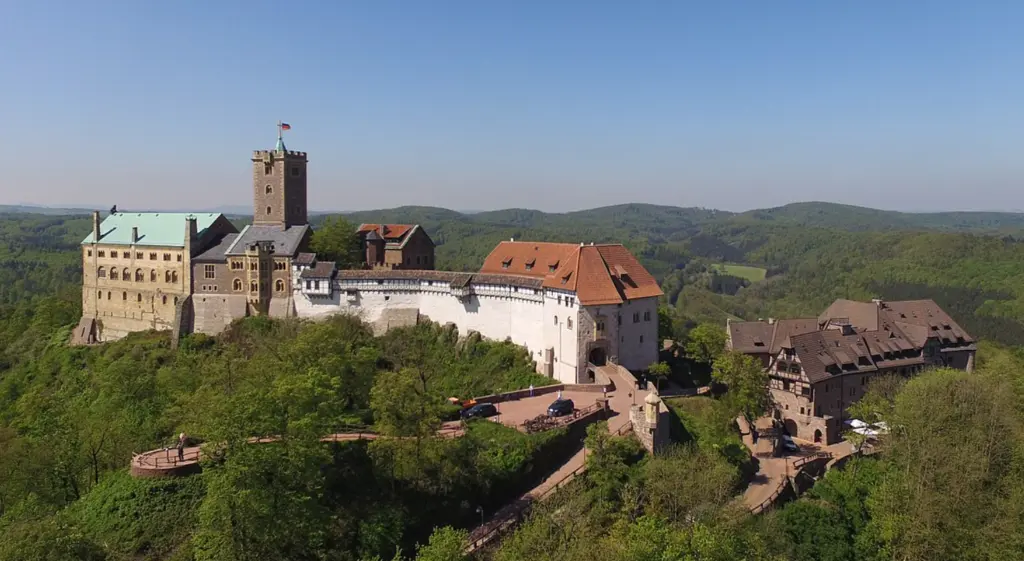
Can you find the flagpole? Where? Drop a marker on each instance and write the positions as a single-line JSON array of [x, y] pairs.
[[279, 130]]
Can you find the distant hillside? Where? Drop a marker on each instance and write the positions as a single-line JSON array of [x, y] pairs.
[[858, 219]]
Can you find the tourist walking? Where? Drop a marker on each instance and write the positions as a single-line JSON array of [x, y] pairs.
[[181, 447], [531, 390]]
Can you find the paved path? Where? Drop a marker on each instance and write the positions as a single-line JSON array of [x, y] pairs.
[[773, 473]]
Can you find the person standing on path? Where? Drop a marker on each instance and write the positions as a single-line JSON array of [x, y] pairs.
[[181, 447], [531, 390], [604, 390]]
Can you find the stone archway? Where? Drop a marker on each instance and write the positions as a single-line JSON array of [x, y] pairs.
[[791, 428], [597, 356], [817, 435]]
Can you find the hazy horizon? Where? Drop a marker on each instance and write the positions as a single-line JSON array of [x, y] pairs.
[[549, 106]]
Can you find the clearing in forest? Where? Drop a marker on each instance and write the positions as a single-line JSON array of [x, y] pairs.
[[749, 272]]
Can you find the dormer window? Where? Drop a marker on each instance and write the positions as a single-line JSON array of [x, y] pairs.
[[552, 266], [506, 263], [565, 279], [529, 264]]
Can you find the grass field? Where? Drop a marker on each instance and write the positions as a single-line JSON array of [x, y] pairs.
[[753, 274]]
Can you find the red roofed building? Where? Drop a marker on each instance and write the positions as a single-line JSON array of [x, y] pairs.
[[396, 246], [575, 308]]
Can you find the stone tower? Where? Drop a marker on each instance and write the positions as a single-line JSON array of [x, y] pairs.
[[279, 186]]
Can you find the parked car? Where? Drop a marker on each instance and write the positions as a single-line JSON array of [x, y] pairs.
[[480, 411], [788, 444], [561, 407]]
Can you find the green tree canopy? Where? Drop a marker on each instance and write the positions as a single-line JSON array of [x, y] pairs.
[[336, 240], [706, 342]]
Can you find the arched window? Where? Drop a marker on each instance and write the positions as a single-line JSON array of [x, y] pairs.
[[113, 273], [164, 300], [108, 295], [99, 295], [279, 285], [139, 276], [167, 276], [568, 323], [253, 287], [126, 274], [556, 320], [138, 297], [174, 276], [124, 296], [101, 273], [268, 210], [152, 275], [269, 189], [237, 285]]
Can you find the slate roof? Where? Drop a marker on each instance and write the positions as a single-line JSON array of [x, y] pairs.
[[165, 229], [322, 270], [598, 274], [459, 279], [786, 328], [927, 317], [387, 231], [285, 241], [304, 259], [216, 253], [751, 337]]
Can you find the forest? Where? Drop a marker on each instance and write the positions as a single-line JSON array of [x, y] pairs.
[[946, 485]]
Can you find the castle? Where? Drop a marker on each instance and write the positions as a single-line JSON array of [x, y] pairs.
[[573, 307]]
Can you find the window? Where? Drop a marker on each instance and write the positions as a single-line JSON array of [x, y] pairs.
[[559, 299], [126, 275], [268, 210], [237, 285], [568, 323], [309, 285], [99, 295], [152, 256], [138, 255], [600, 326], [551, 268], [801, 410], [254, 266], [101, 273], [139, 277], [108, 295], [641, 338], [209, 272], [167, 257], [89, 252], [280, 266], [138, 297], [174, 276], [126, 254], [167, 276], [152, 275], [785, 385], [113, 274], [164, 300], [254, 286], [269, 189], [279, 285], [236, 266], [101, 253], [295, 171], [647, 316], [316, 285], [529, 266], [179, 257], [386, 298], [852, 391], [636, 317], [618, 320], [124, 296], [556, 320]]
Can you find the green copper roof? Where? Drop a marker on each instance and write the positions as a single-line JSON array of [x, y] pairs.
[[280, 145], [155, 228]]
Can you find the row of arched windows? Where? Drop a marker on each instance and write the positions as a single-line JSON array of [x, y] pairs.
[[138, 297], [279, 285], [140, 275]]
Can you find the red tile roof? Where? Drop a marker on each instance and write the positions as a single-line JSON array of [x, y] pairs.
[[598, 274], [387, 231]]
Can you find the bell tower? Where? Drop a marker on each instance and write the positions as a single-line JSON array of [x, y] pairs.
[[279, 185]]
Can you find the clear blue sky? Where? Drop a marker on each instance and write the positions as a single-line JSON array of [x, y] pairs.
[[556, 105]]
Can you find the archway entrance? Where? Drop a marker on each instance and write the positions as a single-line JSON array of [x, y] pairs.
[[817, 435], [791, 428], [597, 356]]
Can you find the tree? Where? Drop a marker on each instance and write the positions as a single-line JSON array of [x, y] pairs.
[[336, 240], [666, 324], [658, 371], [705, 343], [446, 544], [747, 383]]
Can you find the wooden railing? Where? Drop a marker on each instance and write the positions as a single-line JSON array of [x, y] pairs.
[[168, 460], [808, 459], [797, 465]]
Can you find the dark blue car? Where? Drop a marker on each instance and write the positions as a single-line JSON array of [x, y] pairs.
[[480, 411]]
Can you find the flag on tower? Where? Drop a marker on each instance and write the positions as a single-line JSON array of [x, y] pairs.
[[286, 127]]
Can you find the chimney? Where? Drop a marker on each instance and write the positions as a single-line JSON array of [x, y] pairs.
[[95, 226], [135, 234]]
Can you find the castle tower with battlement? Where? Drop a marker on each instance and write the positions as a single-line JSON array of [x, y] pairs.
[[279, 186]]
